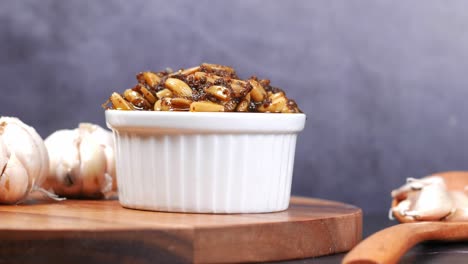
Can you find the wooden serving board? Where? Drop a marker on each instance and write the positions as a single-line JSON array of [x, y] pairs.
[[78, 231]]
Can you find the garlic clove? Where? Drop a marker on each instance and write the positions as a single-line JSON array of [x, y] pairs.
[[64, 178], [432, 204], [460, 201], [401, 209], [100, 134], [43, 155], [14, 181], [104, 138], [93, 167], [4, 156], [459, 215], [110, 164], [459, 198]]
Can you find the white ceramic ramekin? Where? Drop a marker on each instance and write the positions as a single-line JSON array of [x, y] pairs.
[[204, 162]]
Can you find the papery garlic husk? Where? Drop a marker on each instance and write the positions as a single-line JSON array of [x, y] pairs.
[[24, 162], [81, 162]]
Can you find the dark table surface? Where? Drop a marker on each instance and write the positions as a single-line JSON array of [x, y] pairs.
[[430, 252]]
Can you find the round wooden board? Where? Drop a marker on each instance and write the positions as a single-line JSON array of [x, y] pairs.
[[78, 231]]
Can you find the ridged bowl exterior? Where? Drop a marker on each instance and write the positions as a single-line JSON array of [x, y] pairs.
[[204, 172]]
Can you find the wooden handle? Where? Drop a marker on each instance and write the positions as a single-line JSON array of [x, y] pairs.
[[388, 245]]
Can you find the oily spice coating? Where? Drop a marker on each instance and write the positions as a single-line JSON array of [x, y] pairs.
[[204, 88]]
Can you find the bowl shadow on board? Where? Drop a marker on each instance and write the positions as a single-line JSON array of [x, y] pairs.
[[38, 198], [285, 211]]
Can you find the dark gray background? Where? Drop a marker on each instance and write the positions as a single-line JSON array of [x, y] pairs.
[[383, 83]]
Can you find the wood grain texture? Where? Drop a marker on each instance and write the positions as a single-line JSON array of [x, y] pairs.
[[390, 244], [77, 231]]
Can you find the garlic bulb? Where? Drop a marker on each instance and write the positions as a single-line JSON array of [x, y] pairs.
[[81, 162], [429, 199], [433, 203], [24, 162]]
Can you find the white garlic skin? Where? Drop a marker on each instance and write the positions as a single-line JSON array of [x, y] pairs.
[[81, 162], [24, 161]]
